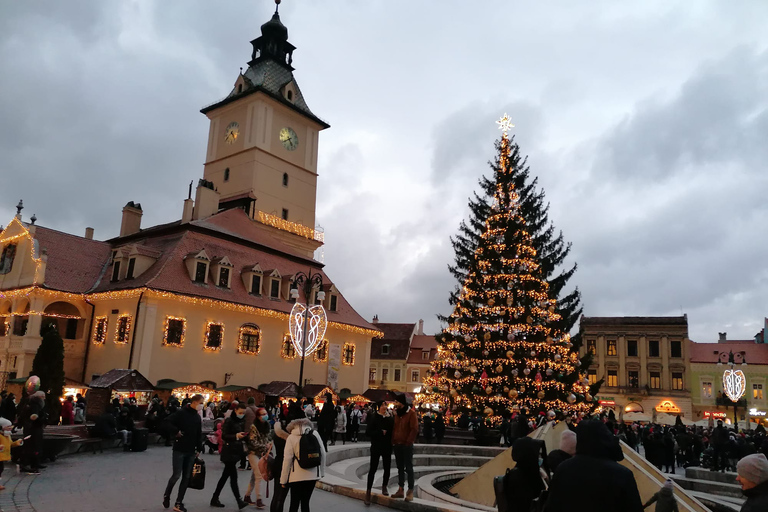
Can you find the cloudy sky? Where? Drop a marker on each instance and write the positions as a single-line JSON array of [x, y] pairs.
[[645, 122]]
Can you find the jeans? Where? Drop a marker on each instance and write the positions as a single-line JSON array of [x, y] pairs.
[[404, 459], [255, 481], [126, 436], [301, 492], [386, 459], [230, 472], [182, 467]]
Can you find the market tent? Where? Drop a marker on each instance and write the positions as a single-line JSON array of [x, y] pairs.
[[281, 389], [121, 383], [666, 419], [637, 416], [242, 393], [702, 423]]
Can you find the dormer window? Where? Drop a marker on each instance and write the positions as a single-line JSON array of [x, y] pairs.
[[385, 350], [285, 214], [201, 269], [6, 258], [224, 277], [256, 284], [116, 271], [131, 268], [334, 303], [425, 355], [289, 95], [274, 289]]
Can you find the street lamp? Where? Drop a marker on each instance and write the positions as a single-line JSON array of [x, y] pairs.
[[307, 322], [734, 381]]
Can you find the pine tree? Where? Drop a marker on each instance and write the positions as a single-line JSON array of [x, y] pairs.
[[48, 365], [507, 346]]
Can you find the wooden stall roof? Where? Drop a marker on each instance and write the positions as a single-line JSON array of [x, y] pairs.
[[122, 380]]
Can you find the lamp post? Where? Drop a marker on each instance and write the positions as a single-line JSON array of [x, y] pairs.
[[306, 283], [734, 381]]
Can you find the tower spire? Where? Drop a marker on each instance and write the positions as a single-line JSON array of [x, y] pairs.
[[277, 6]]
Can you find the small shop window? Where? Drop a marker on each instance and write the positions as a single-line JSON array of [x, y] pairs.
[[175, 329], [633, 379], [385, 374], [414, 375], [123, 329], [757, 391], [348, 354], [214, 336], [249, 341], [100, 330], [70, 330], [397, 374], [371, 375], [706, 389]]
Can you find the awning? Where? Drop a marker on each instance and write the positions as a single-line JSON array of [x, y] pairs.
[[637, 416], [170, 385]]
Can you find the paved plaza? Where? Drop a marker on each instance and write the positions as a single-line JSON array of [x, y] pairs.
[[116, 481]]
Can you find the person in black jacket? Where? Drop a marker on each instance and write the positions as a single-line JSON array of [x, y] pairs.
[[379, 430], [232, 433], [32, 419], [593, 479], [524, 483], [326, 420], [125, 427], [187, 429], [8, 408]]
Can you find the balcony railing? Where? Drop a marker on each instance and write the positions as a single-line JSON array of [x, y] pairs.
[[727, 402]]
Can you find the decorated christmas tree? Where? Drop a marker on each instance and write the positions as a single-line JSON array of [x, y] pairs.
[[506, 346]]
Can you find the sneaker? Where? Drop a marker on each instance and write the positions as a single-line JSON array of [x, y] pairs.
[[259, 503], [216, 503], [241, 504], [31, 471], [179, 507], [409, 495], [166, 502], [399, 494]]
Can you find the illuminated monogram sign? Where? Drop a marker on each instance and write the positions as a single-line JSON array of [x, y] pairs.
[[735, 384], [318, 322]]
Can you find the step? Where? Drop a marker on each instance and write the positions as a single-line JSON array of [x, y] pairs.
[[709, 486], [706, 474]]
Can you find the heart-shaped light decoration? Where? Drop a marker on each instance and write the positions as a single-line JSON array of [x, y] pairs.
[[735, 384], [318, 322]]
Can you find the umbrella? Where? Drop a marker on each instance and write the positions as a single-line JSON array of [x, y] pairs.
[[665, 419], [636, 416]]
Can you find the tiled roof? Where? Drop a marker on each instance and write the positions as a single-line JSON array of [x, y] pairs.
[[122, 380], [419, 344], [75, 264], [634, 320], [397, 336], [281, 388], [754, 353]]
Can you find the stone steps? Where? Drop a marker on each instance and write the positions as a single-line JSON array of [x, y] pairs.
[[709, 487], [715, 476]]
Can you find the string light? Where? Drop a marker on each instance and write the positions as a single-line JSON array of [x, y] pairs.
[[287, 351], [249, 330], [349, 354], [122, 329], [321, 354], [166, 333], [100, 330], [214, 330], [291, 227]]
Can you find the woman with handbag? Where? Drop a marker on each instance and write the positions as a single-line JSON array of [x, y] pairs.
[[232, 434]]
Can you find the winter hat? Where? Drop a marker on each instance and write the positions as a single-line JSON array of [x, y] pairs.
[[568, 442], [400, 397], [251, 400], [753, 468], [669, 484], [5, 423]]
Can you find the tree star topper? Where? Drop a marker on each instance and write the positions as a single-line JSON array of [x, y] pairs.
[[505, 124]]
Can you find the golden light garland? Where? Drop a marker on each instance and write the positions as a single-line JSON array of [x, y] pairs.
[[168, 320], [123, 329], [100, 326], [43, 313], [348, 354], [248, 330], [206, 345], [6, 328], [287, 350], [291, 227], [321, 354]]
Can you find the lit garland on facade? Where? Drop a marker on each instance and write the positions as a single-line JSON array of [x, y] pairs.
[[197, 301], [123, 329], [348, 354], [321, 354], [248, 331], [291, 227], [100, 330], [41, 313], [287, 351], [6, 327], [168, 342], [210, 335]]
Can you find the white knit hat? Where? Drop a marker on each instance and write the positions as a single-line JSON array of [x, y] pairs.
[[753, 468], [5, 423]]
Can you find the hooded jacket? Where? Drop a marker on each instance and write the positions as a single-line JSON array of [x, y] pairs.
[[291, 471], [523, 484], [593, 479], [664, 499], [406, 428], [187, 421]]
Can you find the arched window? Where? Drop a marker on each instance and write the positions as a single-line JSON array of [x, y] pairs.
[[6, 258], [285, 179], [249, 340]]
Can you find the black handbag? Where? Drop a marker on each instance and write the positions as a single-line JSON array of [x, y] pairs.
[[197, 479]]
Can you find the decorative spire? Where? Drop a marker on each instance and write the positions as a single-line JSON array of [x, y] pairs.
[[19, 207], [505, 124], [277, 5], [273, 43]]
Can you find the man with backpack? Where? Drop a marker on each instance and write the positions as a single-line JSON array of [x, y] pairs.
[[355, 418], [303, 462], [403, 436]]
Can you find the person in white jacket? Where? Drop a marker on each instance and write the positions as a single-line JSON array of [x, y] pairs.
[[300, 481]]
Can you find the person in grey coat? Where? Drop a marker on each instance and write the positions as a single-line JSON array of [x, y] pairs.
[[664, 499]]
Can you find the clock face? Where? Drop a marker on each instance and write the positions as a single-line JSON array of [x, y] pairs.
[[289, 139], [231, 133]]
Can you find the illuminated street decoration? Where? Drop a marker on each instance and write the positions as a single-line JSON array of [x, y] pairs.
[[667, 406], [735, 384], [318, 322]]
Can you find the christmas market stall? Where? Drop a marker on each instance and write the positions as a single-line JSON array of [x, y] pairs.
[[240, 393], [181, 390], [120, 384], [317, 392], [357, 399], [280, 391], [380, 395], [72, 387]]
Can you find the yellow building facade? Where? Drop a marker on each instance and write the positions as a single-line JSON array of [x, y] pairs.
[[205, 299]]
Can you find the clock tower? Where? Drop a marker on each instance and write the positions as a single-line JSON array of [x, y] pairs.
[[263, 139]]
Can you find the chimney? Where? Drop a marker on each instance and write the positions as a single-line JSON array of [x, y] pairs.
[[131, 219], [206, 201], [375, 319], [89, 233], [722, 336], [186, 213], [421, 327]]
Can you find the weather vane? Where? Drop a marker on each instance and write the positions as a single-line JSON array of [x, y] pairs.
[[505, 123]]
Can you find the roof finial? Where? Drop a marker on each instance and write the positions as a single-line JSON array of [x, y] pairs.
[[277, 6], [33, 219], [19, 207]]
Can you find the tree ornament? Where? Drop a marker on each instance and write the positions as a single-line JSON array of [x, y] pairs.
[[510, 301], [483, 379], [485, 352], [588, 397], [511, 336], [487, 336], [551, 309], [558, 357], [491, 302], [506, 389], [457, 374], [475, 389], [538, 377], [551, 415], [454, 392], [533, 353], [522, 389], [540, 394], [467, 338], [488, 390], [512, 393], [571, 398], [499, 369], [473, 369], [514, 372], [488, 411], [527, 372], [549, 372], [529, 319], [510, 354]]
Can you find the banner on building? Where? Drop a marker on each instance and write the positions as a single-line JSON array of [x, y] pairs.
[[334, 364]]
